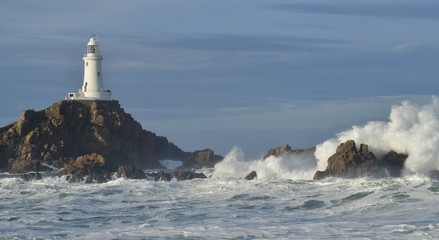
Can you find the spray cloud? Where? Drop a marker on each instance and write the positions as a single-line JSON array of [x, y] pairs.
[[411, 129]]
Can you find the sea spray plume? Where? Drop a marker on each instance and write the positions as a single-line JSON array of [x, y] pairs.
[[233, 164], [287, 166], [411, 129]]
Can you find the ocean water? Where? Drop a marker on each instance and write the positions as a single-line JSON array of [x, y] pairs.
[[220, 208]]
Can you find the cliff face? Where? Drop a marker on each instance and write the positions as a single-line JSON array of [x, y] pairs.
[[70, 129]]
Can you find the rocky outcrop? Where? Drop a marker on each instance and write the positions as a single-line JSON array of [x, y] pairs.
[[92, 168], [348, 162], [178, 175], [129, 171], [203, 158], [394, 163], [252, 175], [160, 176], [277, 151], [286, 150], [25, 165], [187, 175], [70, 132]]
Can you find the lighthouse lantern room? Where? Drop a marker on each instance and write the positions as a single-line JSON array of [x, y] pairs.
[[93, 86]]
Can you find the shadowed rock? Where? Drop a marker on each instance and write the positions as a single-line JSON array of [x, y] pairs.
[[252, 175], [394, 163], [24, 166], [130, 172], [178, 175], [348, 162], [277, 151], [202, 158], [286, 150], [91, 168], [161, 176], [58, 135], [188, 175], [31, 176]]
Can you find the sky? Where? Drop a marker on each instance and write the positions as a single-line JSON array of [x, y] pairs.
[[218, 74]]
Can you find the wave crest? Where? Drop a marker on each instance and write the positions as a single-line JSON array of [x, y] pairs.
[[412, 129]]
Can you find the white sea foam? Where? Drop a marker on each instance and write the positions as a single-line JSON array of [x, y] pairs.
[[171, 164], [292, 166], [219, 208], [411, 129]]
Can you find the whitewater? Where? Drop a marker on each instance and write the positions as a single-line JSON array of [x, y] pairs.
[[403, 208], [282, 203]]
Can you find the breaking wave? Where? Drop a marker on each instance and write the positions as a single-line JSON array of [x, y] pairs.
[[412, 129], [292, 166]]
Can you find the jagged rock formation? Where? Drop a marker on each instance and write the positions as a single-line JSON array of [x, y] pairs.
[[88, 168], [203, 158], [129, 171], [178, 175], [287, 150], [252, 175], [84, 134], [348, 162]]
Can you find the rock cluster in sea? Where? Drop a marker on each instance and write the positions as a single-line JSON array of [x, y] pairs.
[[350, 162], [92, 138], [91, 141]]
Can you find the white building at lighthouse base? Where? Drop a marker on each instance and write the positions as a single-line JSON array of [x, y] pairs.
[[80, 95]]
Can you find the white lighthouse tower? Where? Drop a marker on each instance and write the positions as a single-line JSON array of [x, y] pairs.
[[93, 86]]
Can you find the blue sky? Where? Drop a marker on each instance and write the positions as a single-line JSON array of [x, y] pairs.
[[255, 74]]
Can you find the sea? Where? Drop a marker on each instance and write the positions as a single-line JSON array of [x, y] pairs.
[[283, 202], [220, 208]]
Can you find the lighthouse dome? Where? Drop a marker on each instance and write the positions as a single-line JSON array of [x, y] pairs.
[[92, 41]]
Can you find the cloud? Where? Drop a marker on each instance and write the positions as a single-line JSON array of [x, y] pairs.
[[247, 43], [415, 48], [413, 9]]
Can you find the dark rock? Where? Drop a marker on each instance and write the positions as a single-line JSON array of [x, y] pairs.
[[203, 158], [161, 176], [277, 151], [69, 129], [286, 150], [348, 162], [26, 165], [178, 175], [394, 163], [319, 175], [91, 168], [130, 172], [31, 176], [252, 175], [187, 175]]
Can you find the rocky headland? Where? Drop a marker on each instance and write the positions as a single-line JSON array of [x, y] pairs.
[[88, 138]]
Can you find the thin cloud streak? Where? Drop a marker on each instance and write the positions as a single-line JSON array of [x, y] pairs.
[[248, 43], [397, 9]]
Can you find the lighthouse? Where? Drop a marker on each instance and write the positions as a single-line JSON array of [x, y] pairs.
[[93, 85]]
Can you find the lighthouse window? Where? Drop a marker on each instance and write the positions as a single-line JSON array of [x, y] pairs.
[[91, 49], [86, 64], [99, 74]]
